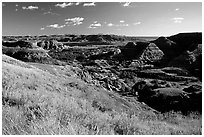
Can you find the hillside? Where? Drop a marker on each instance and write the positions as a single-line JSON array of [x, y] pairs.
[[48, 99], [102, 84]]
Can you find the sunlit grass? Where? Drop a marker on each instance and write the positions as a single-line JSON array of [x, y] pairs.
[[40, 103]]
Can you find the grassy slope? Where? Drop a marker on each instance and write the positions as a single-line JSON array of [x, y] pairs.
[[48, 99]]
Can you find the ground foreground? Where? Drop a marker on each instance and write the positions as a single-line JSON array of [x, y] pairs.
[[40, 99]]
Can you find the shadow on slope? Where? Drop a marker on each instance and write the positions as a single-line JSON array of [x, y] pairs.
[[38, 102]]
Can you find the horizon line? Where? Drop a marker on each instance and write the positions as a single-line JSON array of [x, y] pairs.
[[107, 34]]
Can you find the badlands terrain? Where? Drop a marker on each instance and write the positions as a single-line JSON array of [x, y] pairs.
[[102, 84]]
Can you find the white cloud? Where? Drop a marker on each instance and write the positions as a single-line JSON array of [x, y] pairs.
[[74, 21], [177, 9], [16, 9], [16, 5], [42, 28], [89, 4], [64, 5], [77, 3], [137, 23], [110, 24], [126, 4], [125, 25], [117, 25], [122, 21], [95, 25], [30, 8], [51, 13], [177, 19], [56, 26]]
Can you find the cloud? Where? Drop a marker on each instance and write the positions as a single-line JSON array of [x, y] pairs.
[[126, 4], [89, 4], [64, 5], [95, 25], [16, 5], [110, 24], [74, 21], [42, 28], [125, 25], [77, 3], [177, 19], [30, 8], [177, 9], [51, 13], [122, 21], [137, 23], [56, 26], [117, 25], [16, 9]]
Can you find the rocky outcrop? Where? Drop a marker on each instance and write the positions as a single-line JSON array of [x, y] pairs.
[[181, 50], [176, 71], [159, 74], [143, 89], [50, 44], [166, 99], [167, 65], [191, 60], [193, 89], [142, 52], [151, 54], [130, 50], [158, 95], [167, 46], [184, 60], [186, 41]]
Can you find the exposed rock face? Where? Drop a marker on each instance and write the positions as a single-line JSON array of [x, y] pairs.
[[166, 64], [104, 38], [186, 41], [97, 38], [183, 50], [176, 71], [184, 60], [159, 74], [160, 96], [167, 99], [167, 46], [193, 89], [143, 89], [190, 60], [129, 50], [50, 44], [151, 54], [143, 52]]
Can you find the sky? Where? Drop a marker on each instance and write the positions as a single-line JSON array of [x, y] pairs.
[[120, 18]]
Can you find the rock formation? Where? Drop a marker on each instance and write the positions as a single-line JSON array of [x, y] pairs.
[[50, 44], [167, 46]]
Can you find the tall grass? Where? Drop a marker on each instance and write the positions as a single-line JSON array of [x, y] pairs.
[[36, 102]]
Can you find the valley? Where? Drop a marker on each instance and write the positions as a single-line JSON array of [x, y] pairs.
[[102, 84]]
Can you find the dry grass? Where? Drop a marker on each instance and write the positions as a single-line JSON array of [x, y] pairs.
[[39, 102]]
